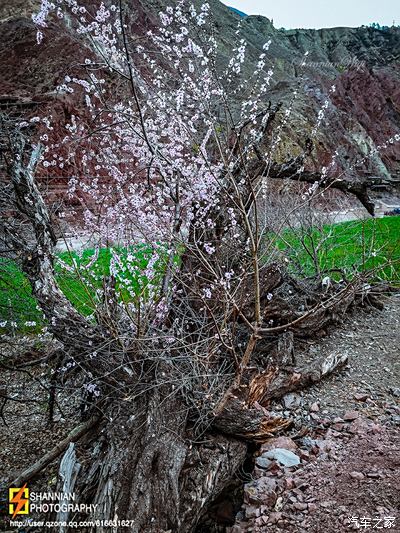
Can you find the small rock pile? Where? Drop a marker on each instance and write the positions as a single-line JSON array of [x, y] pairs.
[[275, 492], [298, 486]]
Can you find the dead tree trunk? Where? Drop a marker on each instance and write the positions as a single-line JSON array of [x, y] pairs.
[[144, 468], [143, 465]]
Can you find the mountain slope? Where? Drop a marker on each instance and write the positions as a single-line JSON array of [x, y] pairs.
[[363, 64]]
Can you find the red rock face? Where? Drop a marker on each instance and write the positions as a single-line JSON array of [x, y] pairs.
[[29, 77], [363, 112], [372, 98]]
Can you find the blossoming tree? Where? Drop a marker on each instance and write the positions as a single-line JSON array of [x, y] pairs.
[[180, 355]]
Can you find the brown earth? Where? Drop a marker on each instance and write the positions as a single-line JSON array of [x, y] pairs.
[[346, 432]]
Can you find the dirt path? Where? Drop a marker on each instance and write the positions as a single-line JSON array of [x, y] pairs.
[[346, 435]]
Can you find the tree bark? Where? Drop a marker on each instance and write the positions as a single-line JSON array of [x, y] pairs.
[[145, 468]]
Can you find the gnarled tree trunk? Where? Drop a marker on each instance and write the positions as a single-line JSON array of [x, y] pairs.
[[142, 461]]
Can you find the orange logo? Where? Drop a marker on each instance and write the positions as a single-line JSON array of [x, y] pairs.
[[18, 501]]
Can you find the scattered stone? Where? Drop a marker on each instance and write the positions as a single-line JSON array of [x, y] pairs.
[[300, 506], [306, 442], [250, 494], [299, 495], [338, 427], [314, 407], [252, 511], [302, 485], [350, 415], [261, 492], [284, 457], [374, 475], [395, 391], [263, 462], [357, 475], [274, 517], [361, 452], [382, 510], [325, 505], [361, 397], [279, 442], [291, 401], [290, 483], [275, 469], [359, 426], [325, 445], [396, 420], [304, 454], [279, 504], [261, 520]]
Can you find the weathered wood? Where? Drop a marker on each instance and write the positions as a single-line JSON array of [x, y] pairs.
[[293, 169], [68, 473], [68, 326], [253, 424], [283, 381], [146, 469], [284, 353]]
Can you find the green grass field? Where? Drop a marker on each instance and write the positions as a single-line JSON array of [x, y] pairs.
[[81, 278], [371, 245]]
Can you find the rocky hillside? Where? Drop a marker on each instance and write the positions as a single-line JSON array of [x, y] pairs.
[[364, 66], [362, 63]]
